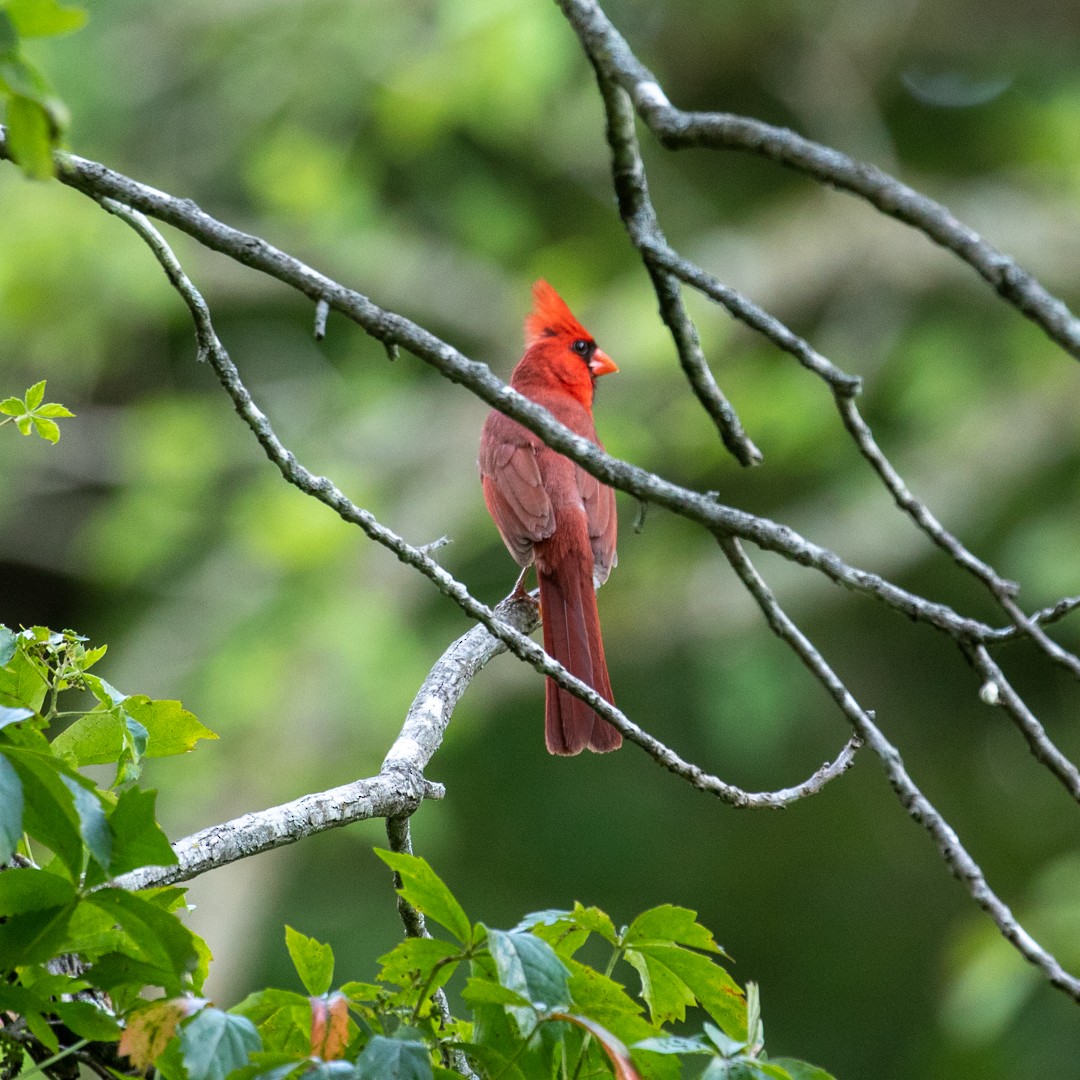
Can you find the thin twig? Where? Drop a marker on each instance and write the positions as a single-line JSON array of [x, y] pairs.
[[99, 182], [676, 129], [1003, 591], [639, 217], [636, 209], [1044, 617], [102, 183], [749, 313], [1041, 745], [956, 857]]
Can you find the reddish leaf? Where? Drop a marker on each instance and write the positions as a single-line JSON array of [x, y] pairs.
[[616, 1051], [329, 1026], [149, 1031]]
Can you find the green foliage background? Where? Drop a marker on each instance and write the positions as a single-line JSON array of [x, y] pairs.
[[439, 156]]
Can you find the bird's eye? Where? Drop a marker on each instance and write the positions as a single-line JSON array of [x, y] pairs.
[[582, 347]]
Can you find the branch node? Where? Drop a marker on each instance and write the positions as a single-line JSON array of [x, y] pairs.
[[650, 95], [442, 542]]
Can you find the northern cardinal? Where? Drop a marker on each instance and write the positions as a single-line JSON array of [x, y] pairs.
[[552, 513]]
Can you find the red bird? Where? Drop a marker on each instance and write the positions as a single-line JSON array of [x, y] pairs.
[[553, 513]]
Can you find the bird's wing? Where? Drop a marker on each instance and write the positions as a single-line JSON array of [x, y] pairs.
[[515, 496], [599, 502]]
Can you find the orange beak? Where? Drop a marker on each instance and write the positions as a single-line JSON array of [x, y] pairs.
[[602, 364]]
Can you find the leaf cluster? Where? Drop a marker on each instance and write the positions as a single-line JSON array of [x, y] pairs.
[[533, 1008], [31, 412], [75, 951]]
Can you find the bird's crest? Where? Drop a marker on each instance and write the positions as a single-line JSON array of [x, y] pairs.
[[550, 317]]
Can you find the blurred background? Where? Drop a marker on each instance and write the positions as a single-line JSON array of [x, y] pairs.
[[438, 155]]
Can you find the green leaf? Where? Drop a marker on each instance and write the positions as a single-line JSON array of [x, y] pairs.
[[49, 809], [49, 430], [44, 18], [13, 716], [171, 728], [595, 921], [115, 971], [567, 931], [570, 929], [138, 840], [94, 932], [53, 408], [669, 924], [673, 978], [411, 962], [26, 888], [361, 991], [674, 1044], [21, 77], [667, 996], [332, 1070], [160, 939], [394, 1059], [99, 737], [485, 992], [23, 422], [94, 739], [493, 1063], [602, 998], [88, 1021], [30, 141], [263, 1065], [8, 641], [11, 809], [314, 961], [214, 1043], [36, 394], [93, 825], [91, 656], [547, 917], [530, 967], [800, 1070], [11, 406], [745, 1069], [718, 993], [104, 691], [422, 888], [283, 1019], [129, 764], [23, 681], [33, 937]]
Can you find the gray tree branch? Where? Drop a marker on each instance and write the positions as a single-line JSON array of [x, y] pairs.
[[677, 129], [664, 264], [99, 182], [956, 856]]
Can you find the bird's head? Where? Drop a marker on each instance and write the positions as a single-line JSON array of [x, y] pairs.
[[565, 346]]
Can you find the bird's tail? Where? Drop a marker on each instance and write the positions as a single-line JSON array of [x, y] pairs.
[[572, 636]]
